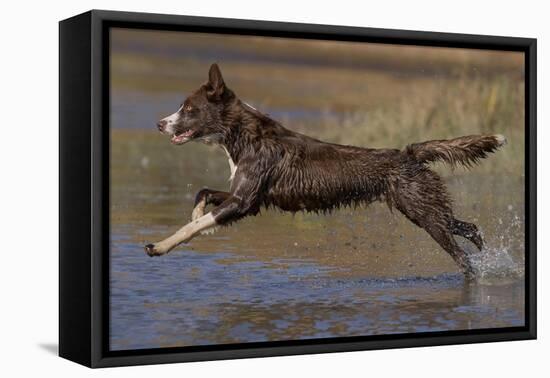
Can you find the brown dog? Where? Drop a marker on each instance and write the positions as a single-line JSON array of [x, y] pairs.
[[273, 166]]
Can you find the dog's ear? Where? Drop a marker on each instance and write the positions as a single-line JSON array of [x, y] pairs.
[[216, 86]]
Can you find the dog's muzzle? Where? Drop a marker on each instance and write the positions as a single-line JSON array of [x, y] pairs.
[[162, 125]]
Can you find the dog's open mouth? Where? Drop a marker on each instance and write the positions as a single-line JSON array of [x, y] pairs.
[[182, 137]]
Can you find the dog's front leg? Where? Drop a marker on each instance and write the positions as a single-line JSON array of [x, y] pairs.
[[244, 200], [230, 210], [183, 235], [207, 197]]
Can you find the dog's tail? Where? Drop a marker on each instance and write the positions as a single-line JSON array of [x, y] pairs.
[[466, 150]]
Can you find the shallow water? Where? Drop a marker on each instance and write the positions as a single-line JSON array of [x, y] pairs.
[[194, 298], [280, 276]]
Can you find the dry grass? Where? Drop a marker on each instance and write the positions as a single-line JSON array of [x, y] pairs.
[[441, 110]]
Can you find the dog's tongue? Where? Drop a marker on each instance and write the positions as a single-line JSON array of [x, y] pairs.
[[183, 137]]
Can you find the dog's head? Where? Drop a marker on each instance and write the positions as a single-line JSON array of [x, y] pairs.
[[200, 115]]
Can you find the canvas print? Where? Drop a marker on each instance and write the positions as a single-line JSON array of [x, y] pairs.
[[277, 189]]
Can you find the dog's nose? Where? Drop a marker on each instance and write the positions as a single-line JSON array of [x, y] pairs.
[[161, 125]]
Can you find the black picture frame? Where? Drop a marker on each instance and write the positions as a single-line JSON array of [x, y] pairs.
[[84, 187]]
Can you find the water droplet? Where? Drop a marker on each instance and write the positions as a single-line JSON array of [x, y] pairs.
[[144, 162]]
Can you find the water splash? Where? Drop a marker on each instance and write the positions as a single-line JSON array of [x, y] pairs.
[[503, 256]]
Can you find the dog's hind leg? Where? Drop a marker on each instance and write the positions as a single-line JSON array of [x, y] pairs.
[[446, 240], [207, 197], [423, 199], [437, 226], [468, 231]]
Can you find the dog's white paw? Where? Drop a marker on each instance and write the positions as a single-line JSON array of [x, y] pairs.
[[210, 231], [154, 250], [198, 211]]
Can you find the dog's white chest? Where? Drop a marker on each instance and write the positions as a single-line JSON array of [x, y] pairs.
[[232, 166]]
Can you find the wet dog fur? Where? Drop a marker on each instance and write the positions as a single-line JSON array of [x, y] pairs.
[[272, 166]]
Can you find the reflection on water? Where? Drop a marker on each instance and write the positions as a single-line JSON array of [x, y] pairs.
[[281, 276]]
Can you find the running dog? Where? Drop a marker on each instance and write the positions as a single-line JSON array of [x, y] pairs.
[[272, 166]]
